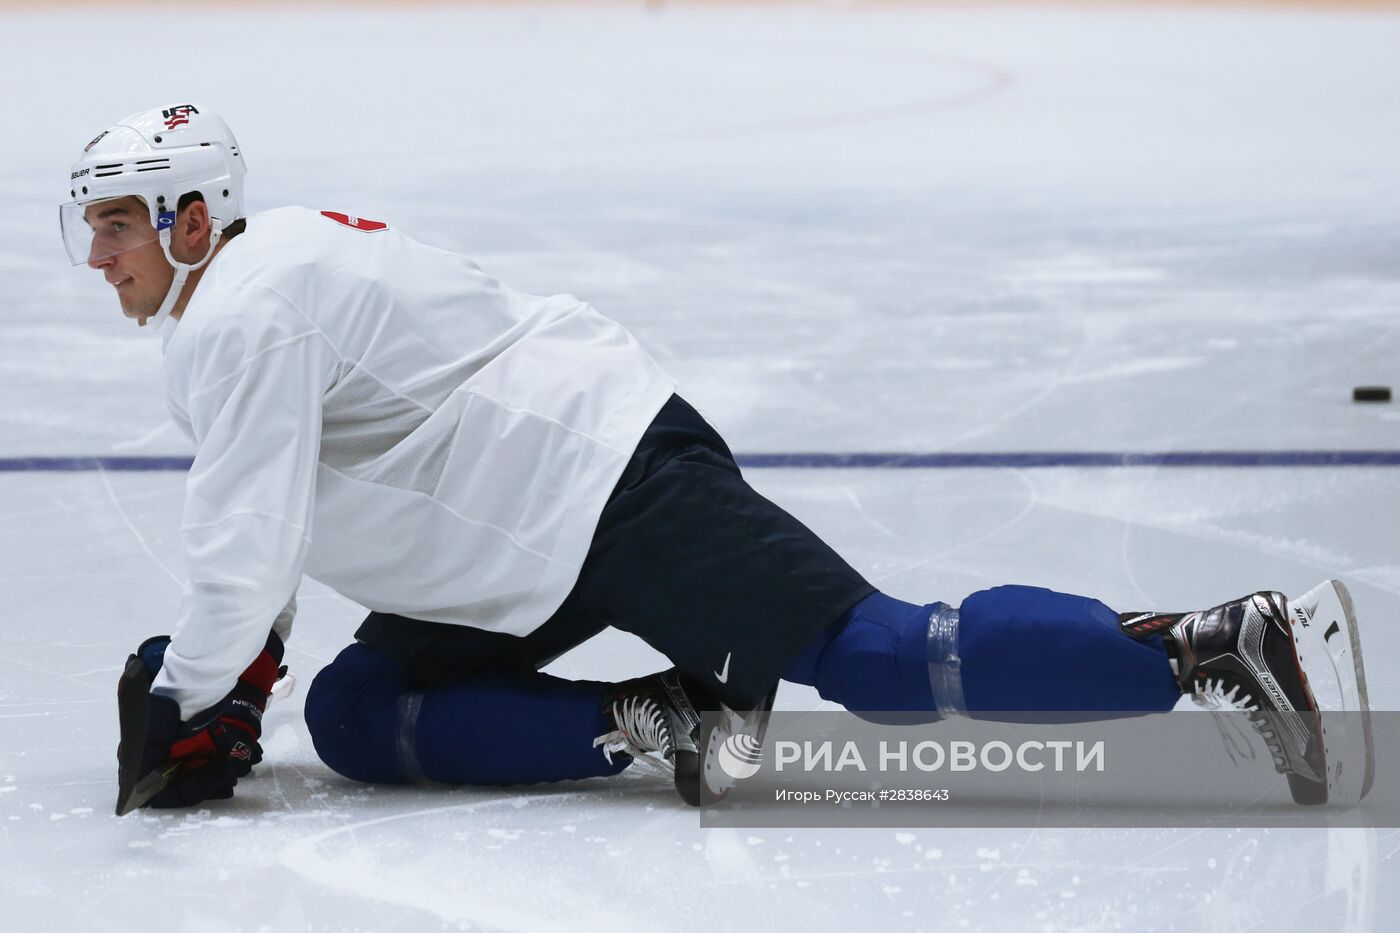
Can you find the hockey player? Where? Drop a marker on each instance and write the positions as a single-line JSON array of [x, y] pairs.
[[498, 477]]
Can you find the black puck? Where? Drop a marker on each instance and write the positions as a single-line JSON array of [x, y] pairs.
[[1370, 394]]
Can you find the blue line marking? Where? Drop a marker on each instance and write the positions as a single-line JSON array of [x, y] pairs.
[[93, 464], [1034, 459], [865, 460]]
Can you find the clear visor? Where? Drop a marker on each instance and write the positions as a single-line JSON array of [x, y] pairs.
[[101, 229]]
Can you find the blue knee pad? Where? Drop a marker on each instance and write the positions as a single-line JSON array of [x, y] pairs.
[[1027, 648], [369, 723], [874, 659], [353, 714]]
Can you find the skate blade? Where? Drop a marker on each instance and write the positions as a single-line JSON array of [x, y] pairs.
[[1328, 644], [751, 726]]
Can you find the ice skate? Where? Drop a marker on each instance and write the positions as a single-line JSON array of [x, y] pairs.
[[642, 727], [1285, 663], [659, 723], [1328, 642]]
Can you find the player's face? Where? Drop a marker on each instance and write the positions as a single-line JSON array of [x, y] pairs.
[[125, 250]]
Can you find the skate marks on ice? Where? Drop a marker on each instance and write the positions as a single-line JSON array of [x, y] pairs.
[[135, 532], [634, 839], [583, 848], [382, 871]]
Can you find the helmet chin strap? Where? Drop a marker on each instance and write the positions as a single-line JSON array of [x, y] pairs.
[[182, 273]]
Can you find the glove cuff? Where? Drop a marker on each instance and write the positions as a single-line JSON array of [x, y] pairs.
[[163, 724], [274, 647], [152, 653], [262, 673]]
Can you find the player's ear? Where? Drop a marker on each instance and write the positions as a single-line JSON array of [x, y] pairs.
[[193, 225]]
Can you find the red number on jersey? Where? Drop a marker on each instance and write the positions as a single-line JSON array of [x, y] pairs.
[[357, 223]]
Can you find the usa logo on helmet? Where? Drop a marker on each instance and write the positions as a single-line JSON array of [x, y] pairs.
[[178, 115]]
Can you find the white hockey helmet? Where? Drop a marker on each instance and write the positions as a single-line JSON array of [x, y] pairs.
[[159, 156]]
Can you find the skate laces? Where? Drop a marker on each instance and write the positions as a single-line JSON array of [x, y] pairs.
[[643, 732], [1210, 694]]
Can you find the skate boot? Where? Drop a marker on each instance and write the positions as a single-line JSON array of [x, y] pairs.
[[659, 724], [1273, 658]]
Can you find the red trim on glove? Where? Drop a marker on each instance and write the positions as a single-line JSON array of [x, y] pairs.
[[262, 673], [196, 749]]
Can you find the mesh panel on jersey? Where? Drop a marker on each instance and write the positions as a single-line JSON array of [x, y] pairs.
[[420, 472], [362, 420]]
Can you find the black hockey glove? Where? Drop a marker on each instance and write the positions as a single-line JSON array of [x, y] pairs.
[[203, 759]]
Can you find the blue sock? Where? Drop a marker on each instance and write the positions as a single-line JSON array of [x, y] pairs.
[[874, 659], [1021, 648], [514, 728], [369, 724], [1026, 648]]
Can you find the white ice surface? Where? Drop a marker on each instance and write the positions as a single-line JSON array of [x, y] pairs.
[[842, 231]]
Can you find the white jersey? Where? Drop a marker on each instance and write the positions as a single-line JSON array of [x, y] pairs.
[[393, 422]]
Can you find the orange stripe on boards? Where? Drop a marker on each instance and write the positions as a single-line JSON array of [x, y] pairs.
[[826, 6]]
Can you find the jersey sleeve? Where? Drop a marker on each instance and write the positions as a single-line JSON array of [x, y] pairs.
[[256, 383]]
